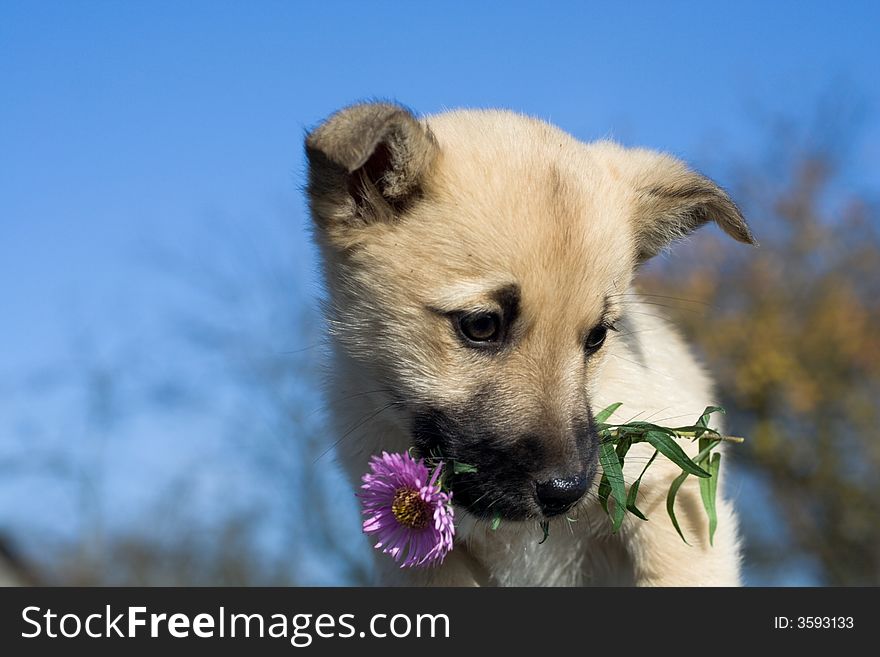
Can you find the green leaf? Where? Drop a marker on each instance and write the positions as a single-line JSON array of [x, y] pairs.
[[703, 453], [496, 522], [704, 418], [617, 439], [707, 442], [671, 450], [676, 484], [462, 468], [545, 527], [613, 475], [603, 415], [670, 502], [644, 427], [623, 445], [604, 491], [631, 502], [708, 488], [633, 494]]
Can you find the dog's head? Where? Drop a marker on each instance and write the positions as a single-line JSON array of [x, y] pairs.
[[476, 263]]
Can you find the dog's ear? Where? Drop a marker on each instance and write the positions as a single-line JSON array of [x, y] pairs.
[[366, 163], [672, 201]]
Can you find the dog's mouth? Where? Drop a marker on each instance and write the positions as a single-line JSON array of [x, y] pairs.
[[491, 498], [495, 477]]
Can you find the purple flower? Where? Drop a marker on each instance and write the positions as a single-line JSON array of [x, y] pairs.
[[406, 510]]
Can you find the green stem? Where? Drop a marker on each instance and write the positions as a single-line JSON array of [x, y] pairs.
[[615, 433]]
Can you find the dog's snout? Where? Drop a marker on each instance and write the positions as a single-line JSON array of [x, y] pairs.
[[559, 494]]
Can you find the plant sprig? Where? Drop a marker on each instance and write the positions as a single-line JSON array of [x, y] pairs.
[[617, 439], [615, 442]]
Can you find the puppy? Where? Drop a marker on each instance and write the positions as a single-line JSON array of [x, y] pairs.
[[479, 268]]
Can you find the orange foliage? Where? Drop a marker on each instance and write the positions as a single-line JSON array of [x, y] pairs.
[[791, 330]]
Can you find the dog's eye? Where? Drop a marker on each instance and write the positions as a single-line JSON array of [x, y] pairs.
[[480, 326], [595, 339]]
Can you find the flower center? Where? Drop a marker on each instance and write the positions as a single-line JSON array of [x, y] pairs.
[[410, 509]]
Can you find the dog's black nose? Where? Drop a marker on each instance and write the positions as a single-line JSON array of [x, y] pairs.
[[558, 495]]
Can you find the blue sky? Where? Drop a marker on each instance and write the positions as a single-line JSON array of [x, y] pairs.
[[126, 122], [129, 126]]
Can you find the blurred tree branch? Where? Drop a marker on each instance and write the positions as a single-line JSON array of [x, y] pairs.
[[794, 338]]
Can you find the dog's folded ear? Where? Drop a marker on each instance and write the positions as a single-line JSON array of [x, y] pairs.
[[672, 201], [366, 163]]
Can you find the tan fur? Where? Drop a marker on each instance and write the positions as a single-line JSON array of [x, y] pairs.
[[456, 206]]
